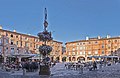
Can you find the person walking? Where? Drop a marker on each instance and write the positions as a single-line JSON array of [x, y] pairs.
[[94, 65]]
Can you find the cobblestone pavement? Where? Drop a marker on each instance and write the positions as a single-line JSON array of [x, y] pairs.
[[60, 72]]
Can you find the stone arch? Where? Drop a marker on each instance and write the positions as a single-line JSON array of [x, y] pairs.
[[81, 58], [57, 59], [64, 59], [69, 58], [73, 58]]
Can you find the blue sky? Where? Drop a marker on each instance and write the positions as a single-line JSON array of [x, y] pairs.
[[69, 20]]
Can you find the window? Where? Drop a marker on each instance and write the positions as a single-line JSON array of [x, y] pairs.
[[16, 36], [12, 50], [26, 44], [115, 47], [115, 41], [6, 48], [73, 49], [36, 40], [96, 52], [89, 52], [96, 42], [11, 35], [69, 53], [80, 48], [109, 41], [30, 44], [83, 43], [16, 42], [77, 48], [18, 50], [26, 38], [89, 42], [73, 53], [21, 43], [84, 52], [109, 52], [102, 46], [6, 34], [80, 53], [11, 42], [102, 52], [7, 41], [37, 46], [80, 43], [84, 47]]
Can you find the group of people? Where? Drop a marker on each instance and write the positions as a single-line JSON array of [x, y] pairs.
[[28, 65], [79, 65]]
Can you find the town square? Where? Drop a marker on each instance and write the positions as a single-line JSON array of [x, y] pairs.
[[59, 39]]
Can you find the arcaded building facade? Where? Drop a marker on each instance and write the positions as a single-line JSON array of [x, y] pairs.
[[84, 49], [14, 42]]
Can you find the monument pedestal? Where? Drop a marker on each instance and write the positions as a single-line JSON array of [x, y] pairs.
[[44, 70]]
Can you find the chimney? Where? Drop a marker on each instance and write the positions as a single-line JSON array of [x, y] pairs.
[[99, 37], [87, 38], [0, 26], [14, 30], [108, 36]]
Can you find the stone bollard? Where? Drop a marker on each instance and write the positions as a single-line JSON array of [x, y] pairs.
[[24, 71]]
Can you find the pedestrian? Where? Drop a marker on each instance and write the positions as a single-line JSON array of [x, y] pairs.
[[94, 65]]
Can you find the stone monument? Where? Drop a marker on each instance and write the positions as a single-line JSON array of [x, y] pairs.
[[45, 49]]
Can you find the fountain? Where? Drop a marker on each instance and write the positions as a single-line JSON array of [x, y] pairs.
[[45, 49]]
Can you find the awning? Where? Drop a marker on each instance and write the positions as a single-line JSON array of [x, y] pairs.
[[22, 55], [103, 56]]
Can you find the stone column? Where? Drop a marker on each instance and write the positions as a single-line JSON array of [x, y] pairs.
[[54, 58], [67, 59], [19, 59], [5, 58], [60, 58], [86, 59], [76, 59]]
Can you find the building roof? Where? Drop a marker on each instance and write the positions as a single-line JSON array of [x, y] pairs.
[[25, 34], [18, 33], [93, 39]]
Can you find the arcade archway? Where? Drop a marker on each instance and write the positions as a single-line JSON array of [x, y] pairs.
[[73, 59], [69, 58], [64, 59], [57, 59], [80, 58]]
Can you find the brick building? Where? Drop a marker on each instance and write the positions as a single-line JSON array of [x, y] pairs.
[[13, 42], [84, 49]]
